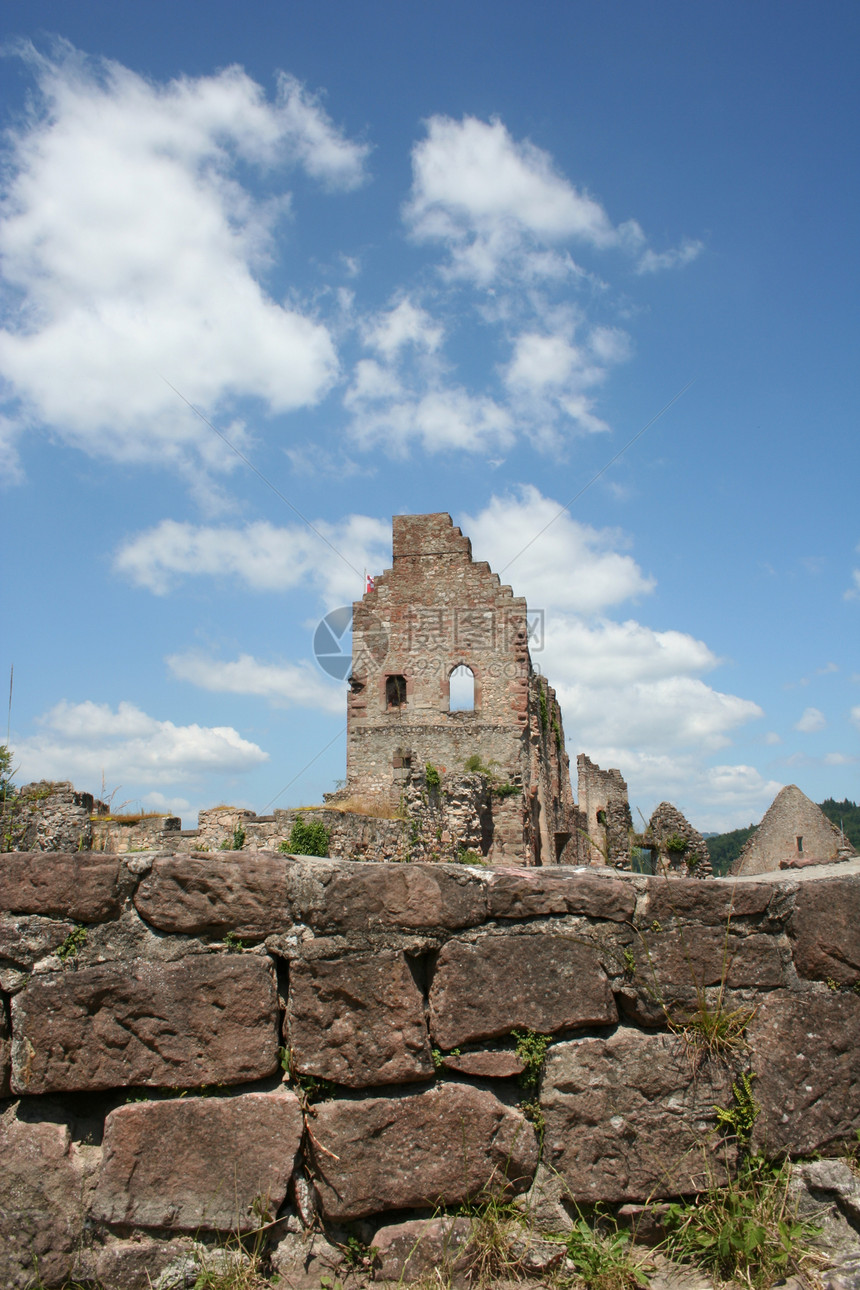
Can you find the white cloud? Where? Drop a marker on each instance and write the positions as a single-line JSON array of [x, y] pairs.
[[548, 376], [492, 199], [496, 203], [839, 759], [606, 653], [528, 538], [314, 141], [811, 721], [772, 738], [853, 592], [88, 742], [623, 687], [130, 248], [714, 798], [284, 684], [655, 261], [262, 555], [171, 805], [404, 324], [440, 420], [855, 716], [670, 713]]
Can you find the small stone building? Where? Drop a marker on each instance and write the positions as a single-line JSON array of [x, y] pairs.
[[793, 831], [442, 677]]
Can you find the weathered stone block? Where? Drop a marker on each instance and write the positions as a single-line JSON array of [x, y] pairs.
[[377, 897], [677, 961], [538, 893], [825, 930], [805, 1050], [631, 1117], [25, 938], [407, 1252], [80, 885], [485, 987], [693, 901], [207, 1019], [307, 1261], [487, 1064], [422, 1149], [137, 1265], [358, 1020], [215, 894], [199, 1163], [42, 1209]]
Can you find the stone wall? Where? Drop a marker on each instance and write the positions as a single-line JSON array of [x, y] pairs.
[[193, 1045]]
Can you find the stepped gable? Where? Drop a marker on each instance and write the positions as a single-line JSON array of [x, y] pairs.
[[794, 832]]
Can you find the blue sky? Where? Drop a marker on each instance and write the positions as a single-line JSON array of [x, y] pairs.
[[415, 258]]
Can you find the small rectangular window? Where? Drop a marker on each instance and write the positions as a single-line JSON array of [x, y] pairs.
[[800, 846]]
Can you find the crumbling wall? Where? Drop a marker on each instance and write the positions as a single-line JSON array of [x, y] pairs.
[[49, 815], [676, 847], [793, 832], [131, 982], [605, 825]]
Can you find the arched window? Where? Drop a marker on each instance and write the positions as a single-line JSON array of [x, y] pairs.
[[461, 690]]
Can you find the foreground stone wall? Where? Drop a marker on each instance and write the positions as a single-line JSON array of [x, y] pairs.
[[150, 1006]]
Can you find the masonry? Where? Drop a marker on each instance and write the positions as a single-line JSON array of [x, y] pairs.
[[148, 1003]]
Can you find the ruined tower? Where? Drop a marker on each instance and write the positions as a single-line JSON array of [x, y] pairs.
[[442, 676]]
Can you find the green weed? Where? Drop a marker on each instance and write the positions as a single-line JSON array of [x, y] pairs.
[[747, 1230], [235, 842], [531, 1050], [75, 941], [600, 1252], [465, 856], [740, 1118], [432, 778]]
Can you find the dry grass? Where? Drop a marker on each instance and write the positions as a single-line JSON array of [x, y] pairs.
[[128, 817], [373, 807]]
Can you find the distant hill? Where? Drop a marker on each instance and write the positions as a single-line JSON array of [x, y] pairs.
[[724, 848], [848, 815]]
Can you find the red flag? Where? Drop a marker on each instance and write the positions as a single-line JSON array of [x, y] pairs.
[[368, 579]]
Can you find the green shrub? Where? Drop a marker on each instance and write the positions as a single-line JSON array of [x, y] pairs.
[[432, 777], [307, 838], [469, 857]]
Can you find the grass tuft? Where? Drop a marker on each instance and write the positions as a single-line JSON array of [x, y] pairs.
[[746, 1231]]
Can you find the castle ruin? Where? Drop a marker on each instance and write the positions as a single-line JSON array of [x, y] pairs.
[[436, 618]]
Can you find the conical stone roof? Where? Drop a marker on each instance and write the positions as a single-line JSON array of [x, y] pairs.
[[793, 828]]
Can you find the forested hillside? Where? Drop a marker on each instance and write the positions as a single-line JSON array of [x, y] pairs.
[[846, 814], [723, 848]]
